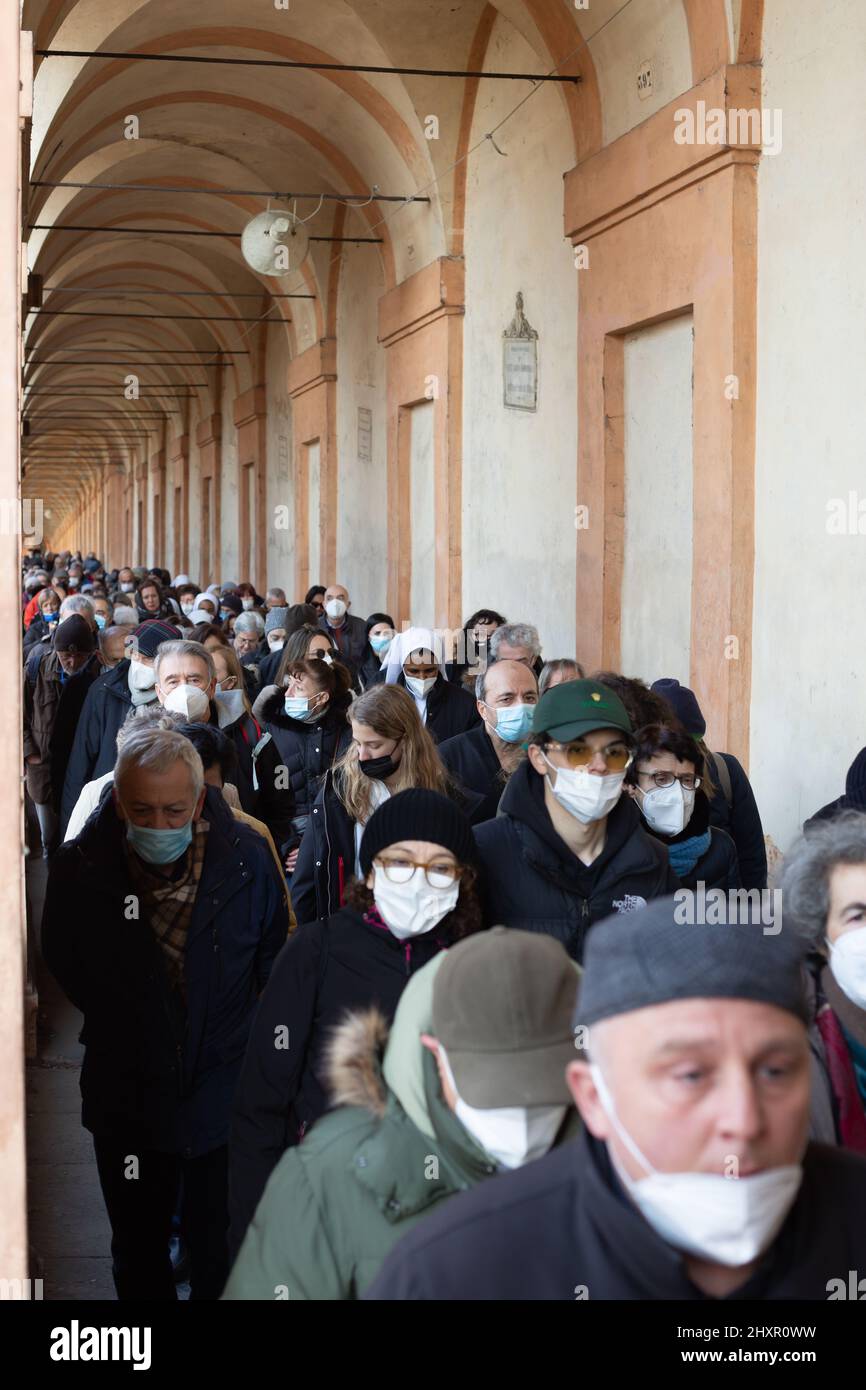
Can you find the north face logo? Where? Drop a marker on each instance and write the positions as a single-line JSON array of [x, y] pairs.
[[630, 903]]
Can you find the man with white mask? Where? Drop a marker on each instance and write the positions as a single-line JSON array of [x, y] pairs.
[[566, 847], [439, 1106], [824, 892], [694, 1177], [347, 633]]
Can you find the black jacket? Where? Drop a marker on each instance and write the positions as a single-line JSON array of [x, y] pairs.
[[324, 970], [532, 881], [742, 821], [305, 750], [718, 866], [94, 751], [259, 778], [326, 860], [154, 1074], [450, 710], [472, 761], [562, 1228], [353, 634]]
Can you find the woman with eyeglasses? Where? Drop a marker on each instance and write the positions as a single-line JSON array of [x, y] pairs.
[[414, 896], [667, 780], [566, 848]]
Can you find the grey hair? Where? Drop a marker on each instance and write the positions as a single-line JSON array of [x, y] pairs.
[[560, 665], [157, 750], [151, 716], [78, 603], [805, 879], [183, 648], [481, 680], [250, 622], [516, 635]]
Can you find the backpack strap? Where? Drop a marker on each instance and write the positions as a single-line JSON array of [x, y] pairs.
[[263, 741], [724, 774]]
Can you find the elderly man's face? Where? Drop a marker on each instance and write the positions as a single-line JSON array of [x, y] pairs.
[[158, 800], [701, 1086], [183, 670], [246, 643], [73, 662], [507, 652], [112, 648]]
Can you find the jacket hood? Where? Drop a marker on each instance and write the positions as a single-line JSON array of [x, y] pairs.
[[523, 801]]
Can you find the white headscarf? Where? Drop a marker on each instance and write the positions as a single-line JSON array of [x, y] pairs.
[[413, 640]]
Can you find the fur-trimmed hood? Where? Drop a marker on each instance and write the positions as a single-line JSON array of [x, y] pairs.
[[354, 1062]]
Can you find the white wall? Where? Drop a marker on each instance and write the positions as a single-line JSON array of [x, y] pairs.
[[809, 634], [657, 568], [362, 516], [279, 473], [226, 562], [519, 468]]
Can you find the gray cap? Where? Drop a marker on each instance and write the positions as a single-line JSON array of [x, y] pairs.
[[652, 956], [276, 618], [502, 1006]]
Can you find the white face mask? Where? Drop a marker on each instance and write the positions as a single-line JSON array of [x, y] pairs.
[[512, 1135], [848, 963], [668, 809], [247, 603], [139, 676], [275, 643], [583, 794], [420, 688], [127, 587], [728, 1220], [189, 701], [187, 605], [335, 608], [413, 908]]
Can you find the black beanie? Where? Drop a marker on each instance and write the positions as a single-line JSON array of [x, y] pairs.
[[417, 814], [74, 634], [684, 704], [855, 782]]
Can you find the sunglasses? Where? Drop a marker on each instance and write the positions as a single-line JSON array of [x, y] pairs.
[[616, 755]]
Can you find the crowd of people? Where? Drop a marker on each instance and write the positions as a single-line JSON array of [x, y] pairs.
[[359, 918]]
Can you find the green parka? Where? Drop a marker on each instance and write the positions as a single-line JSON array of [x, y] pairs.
[[367, 1171]]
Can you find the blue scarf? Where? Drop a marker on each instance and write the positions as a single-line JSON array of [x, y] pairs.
[[685, 854]]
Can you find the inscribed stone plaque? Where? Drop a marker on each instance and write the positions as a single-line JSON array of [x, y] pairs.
[[520, 362], [365, 435]]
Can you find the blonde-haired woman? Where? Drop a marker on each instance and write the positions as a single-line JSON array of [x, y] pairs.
[[390, 752]]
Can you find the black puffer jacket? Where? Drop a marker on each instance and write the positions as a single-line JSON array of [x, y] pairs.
[[532, 880], [324, 971], [305, 750], [717, 866]]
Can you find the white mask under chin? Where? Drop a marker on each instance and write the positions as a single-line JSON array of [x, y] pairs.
[[583, 794], [413, 908], [512, 1135], [728, 1220]]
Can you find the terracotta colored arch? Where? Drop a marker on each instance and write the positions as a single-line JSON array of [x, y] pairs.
[[708, 36]]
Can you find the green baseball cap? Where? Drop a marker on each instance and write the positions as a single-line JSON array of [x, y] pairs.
[[578, 707]]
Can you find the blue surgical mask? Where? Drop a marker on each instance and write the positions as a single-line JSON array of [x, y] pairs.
[[225, 613], [298, 707], [380, 644], [159, 846], [51, 617], [100, 620], [514, 722]]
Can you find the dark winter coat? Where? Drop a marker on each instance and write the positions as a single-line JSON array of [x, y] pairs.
[[742, 821], [718, 866], [472, 761], [52, 709], [352, 635], [532, 881], [305, 750], [450, 709], [323, 971], [155, 1075], [94, 750], [563, 1228]]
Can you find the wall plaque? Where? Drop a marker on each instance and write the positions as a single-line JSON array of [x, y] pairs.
[[365, 434], [520, 362]]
